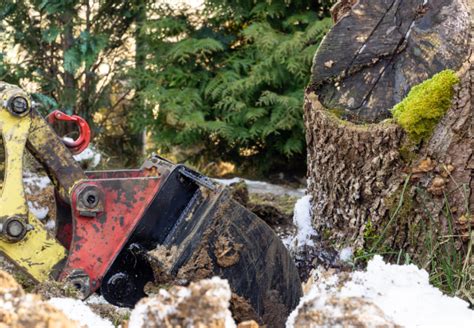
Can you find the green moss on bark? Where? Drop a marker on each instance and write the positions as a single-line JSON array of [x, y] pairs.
[[425, 105]]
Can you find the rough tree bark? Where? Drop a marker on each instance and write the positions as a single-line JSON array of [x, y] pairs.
[[367, 193]]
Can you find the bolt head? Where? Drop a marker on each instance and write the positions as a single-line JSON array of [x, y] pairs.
[[14, 229], [18, 105], [90, 198]]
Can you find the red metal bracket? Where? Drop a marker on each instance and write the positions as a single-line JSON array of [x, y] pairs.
[[76, 146], [105, 213]]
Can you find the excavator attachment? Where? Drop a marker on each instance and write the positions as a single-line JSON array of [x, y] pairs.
[[23, 238], [118, 231]]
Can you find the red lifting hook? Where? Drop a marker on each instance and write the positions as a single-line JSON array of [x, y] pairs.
[[76, 146]]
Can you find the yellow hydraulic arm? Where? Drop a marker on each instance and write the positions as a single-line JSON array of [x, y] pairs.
[[22, 236]]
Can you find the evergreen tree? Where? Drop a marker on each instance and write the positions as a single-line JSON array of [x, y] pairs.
[[227, 82], [74, 51]]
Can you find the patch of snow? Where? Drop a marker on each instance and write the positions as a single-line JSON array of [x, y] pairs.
[[33, 179], [80, 312], [397, 294], [89, 155], [39, 211], [345, 255], [96, 299], [404, 293], [287, 241], [304, 228], [317, 295], [260, 187], [50, 225], [137, 318]]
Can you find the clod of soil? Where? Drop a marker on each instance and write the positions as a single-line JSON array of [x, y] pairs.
[[52, 289], [226, 251], [21, 310], [242, 310], [202, 304], [231, 242], [248, 324], [118, 316], [356, 312]]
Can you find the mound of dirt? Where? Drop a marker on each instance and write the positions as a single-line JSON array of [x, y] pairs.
[[202, 304], [19, 309]]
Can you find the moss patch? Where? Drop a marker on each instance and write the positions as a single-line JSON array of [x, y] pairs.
[[425, 105]]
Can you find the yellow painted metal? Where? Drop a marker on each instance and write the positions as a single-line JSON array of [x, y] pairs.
[[37, 253], [15, 132]]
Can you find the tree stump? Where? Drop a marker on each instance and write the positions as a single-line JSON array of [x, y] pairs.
[[376, 52], [370, 192]]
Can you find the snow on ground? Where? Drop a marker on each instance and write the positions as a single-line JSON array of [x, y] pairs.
[[404, 293], [78, 311], [394, 294], [345, 254], [260, 187], [90, 155], [35, 184], [96, 299], [37, 210], [304, 229], [31, 179]]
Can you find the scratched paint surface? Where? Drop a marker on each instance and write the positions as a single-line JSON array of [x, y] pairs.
[[97, 240], [37, 253]]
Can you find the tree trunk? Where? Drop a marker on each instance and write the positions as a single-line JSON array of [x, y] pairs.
[[69, 93], [368, 191]]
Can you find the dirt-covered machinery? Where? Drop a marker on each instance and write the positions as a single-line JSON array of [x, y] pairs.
[[109, 222]]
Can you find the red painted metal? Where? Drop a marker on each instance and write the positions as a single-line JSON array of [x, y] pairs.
[[76, 146], [64, 218], [98, 240]]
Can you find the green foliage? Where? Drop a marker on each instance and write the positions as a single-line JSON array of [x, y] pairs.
[[447, 262], [75, 56], [425, 105], [59, 45], [224, 83], [227, 83]]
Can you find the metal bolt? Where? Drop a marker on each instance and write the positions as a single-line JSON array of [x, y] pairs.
[[14, 229], [80, 280], [90, 198], [18, 105]]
